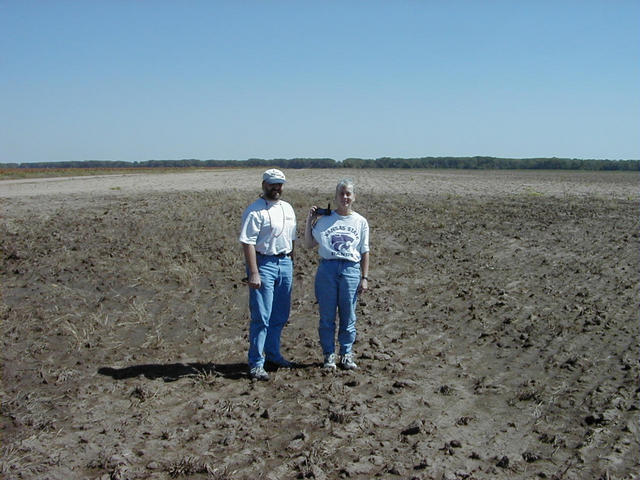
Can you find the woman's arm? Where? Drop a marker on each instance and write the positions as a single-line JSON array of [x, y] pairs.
[[364, 270], [309, 241]]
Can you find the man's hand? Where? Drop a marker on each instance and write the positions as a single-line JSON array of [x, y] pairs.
[[254, 280]]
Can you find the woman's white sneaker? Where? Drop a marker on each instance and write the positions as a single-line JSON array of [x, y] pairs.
[[347, 363], [329, 361]]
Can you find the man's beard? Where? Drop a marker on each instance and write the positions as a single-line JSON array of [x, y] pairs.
[[272, 194]]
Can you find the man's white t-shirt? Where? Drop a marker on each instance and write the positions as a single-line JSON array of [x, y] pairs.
[[342, 237], [270, 226]]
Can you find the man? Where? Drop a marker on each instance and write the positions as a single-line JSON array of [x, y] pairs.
[[267, 236]]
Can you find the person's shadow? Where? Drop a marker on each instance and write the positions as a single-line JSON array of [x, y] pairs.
[[175, 371]]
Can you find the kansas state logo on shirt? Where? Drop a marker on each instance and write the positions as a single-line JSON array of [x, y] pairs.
[[341, 242]]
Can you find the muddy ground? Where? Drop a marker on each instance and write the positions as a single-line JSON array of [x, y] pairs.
[[499, 338]]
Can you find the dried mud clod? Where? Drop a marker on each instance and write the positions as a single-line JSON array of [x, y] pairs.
[[530, 457], [464, 420], [445, 390], [414, 428]]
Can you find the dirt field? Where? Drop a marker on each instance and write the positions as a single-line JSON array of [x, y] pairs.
[[499, 338]]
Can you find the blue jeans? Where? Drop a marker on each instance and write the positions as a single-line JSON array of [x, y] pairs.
[[270, 306], [336, 286]]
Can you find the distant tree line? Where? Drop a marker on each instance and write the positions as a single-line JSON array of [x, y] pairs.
[[471, 163]]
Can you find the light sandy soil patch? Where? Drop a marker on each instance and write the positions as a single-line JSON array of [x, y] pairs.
[[454, 182]]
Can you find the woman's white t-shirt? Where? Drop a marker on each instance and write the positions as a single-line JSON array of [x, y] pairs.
[[342, 237]]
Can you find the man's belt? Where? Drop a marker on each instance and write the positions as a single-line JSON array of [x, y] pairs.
[[278, 255]]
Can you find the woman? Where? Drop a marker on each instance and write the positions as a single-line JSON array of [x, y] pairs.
[[343, 239]]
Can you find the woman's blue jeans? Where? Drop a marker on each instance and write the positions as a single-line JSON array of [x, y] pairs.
[[270, 306], [336, 286]]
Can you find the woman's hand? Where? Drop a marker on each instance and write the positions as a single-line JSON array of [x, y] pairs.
[[364, 285]]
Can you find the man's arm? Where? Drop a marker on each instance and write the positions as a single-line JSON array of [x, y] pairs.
[[252, 265]]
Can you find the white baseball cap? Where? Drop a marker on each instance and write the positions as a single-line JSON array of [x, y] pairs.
[[273, 175]]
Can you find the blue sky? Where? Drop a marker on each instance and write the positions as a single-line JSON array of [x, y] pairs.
[[141, 79]]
